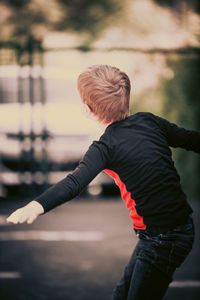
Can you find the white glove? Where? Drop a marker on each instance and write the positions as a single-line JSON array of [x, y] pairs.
[[27, 213]]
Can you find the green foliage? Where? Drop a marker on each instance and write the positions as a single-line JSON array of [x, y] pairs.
[[18, 4], [35, 18], [87, 15], [182, 106], [177, 5]]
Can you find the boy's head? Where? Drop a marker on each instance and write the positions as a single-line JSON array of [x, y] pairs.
[[106, 91]]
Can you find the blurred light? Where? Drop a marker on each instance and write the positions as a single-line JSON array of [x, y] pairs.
[[60, 40], [10, 178], [54, 177], [38, 144], [9, 147], [94, 190], [138, 29], [39, 177], [25, 71], [10, 275], [36, 71], [27, 144], [27, 178]]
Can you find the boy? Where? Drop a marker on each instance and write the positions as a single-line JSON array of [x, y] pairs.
[[134, 150]]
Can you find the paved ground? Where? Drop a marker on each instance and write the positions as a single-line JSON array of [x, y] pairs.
[[75, 269]]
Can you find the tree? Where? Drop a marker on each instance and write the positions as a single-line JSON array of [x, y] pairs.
[[181, 105], [22, 19]]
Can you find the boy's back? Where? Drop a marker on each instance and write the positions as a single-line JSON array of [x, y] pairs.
[[141, 160]]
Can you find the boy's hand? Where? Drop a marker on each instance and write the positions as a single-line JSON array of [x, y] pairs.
[[27, 213]]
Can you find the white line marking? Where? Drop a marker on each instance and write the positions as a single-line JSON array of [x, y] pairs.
[[186, 283], [75, 236], [10, 275]]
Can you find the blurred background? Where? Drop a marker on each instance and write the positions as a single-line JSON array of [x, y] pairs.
[[44, 45], [43, 48]]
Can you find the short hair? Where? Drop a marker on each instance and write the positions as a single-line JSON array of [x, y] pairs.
[[106, 90]]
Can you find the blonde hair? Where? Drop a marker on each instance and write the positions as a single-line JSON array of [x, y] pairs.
[[106, 90]]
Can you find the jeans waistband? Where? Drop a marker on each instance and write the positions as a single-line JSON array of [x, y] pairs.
[[154, 229]]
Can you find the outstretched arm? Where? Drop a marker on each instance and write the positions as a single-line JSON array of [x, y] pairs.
[[94, 162], [180, 137]]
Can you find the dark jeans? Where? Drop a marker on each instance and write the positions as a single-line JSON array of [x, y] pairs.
[[153, 262]]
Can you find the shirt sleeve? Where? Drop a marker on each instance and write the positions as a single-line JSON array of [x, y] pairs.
[[180, 137], [94, 161]]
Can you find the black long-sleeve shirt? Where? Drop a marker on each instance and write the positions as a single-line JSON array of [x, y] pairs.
[[136, 153]]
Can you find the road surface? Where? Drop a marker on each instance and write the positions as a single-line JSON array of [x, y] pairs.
[[78, 252]]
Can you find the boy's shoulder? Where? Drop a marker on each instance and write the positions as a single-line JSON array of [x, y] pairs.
[[132, 117], [115, 131], [145, 114]]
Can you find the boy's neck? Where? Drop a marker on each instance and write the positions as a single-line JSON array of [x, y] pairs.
[[104, 126]]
